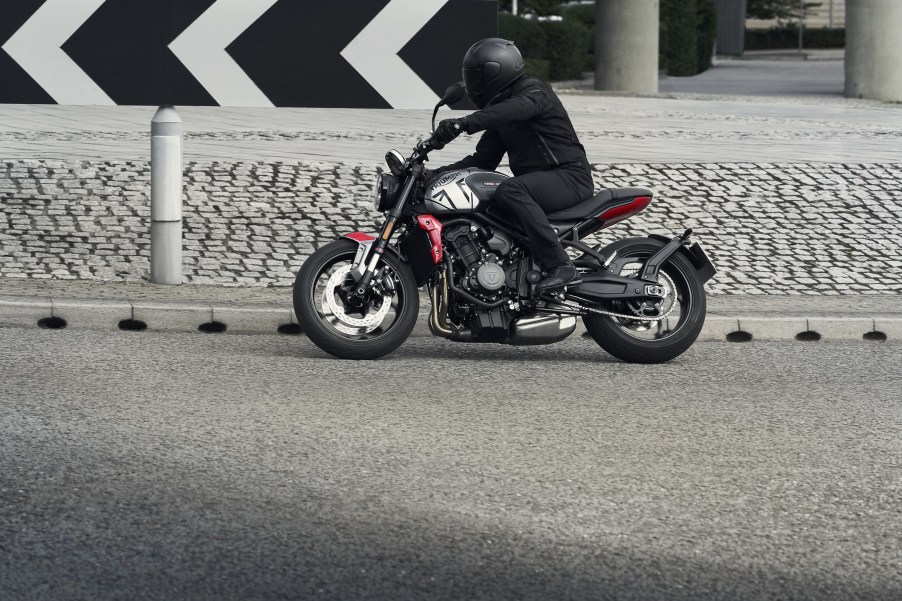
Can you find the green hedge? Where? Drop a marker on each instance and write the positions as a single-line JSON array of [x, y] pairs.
[[538, 67], [567, 48], [679, 39], [526, 34], [688, 31], [553, 50], [780, 38], [558, 50], [583, 13]]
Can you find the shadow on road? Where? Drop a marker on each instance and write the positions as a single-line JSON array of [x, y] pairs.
[[575, 350], [198, 538]]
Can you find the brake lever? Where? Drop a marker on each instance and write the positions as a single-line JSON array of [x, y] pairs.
[[423, 148]]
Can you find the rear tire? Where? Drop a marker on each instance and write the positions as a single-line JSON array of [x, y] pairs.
[[338, 328], [629, 340]]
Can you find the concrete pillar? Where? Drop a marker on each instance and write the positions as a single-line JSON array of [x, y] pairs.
[[874, 49], [731, 27], [166, 197], [626, 46]]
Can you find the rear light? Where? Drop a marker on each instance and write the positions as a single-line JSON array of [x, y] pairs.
[[619, 213]]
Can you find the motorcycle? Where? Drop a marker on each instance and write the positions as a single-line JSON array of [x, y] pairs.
[[641, 299]]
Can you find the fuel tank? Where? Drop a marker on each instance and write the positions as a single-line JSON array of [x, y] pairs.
[[462, 191]]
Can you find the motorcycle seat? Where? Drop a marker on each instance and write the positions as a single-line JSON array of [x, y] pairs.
[[598, 204]]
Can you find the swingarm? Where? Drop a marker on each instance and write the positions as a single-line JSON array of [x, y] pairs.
[[605, 283]]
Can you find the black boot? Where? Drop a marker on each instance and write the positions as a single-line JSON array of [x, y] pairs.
[[558, 277]]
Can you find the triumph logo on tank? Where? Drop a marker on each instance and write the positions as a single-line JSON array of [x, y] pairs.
[[447, 179], [316, 53]]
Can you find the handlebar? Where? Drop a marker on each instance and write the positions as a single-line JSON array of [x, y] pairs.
[[453, 93], [423, 148]]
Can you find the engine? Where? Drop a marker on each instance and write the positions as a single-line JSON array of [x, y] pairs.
[[488, 269], [483, 255], [485, 268]]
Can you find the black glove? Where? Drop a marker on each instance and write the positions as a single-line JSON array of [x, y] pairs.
[[449, 129]]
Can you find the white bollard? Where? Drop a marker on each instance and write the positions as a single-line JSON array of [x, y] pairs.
[[166, 197]]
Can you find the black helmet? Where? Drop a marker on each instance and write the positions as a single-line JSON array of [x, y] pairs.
[[490, 67]]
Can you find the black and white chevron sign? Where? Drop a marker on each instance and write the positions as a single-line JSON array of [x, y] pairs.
[[314, 53]]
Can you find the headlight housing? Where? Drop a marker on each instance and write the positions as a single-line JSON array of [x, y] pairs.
[[386, 191]]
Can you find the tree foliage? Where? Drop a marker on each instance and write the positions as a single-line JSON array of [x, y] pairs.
[[565, 49], [539, 7], [776, 9]]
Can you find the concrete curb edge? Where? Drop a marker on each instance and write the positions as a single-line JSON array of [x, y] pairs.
[[259, 319]]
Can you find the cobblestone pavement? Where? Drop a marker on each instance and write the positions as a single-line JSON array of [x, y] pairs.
[[793, 193], [770, 228]]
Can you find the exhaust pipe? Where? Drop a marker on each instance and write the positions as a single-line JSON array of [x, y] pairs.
[[438, 323]]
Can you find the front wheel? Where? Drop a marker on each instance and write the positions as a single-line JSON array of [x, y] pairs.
[[349, 327], [636, 339]]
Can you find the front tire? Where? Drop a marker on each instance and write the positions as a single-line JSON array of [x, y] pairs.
[[637, 341], [349, 330]]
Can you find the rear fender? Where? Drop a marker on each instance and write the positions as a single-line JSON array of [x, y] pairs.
[[696, 254], [603, 284]]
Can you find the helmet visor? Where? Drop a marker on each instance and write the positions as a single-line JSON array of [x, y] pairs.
[[479, 79]]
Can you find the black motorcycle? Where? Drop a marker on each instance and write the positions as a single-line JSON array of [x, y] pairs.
[[641, 299]]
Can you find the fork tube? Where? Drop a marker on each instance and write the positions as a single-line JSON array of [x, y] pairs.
[[388, 229]]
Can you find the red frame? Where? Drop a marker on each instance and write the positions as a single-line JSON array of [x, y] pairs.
[[433, 228]]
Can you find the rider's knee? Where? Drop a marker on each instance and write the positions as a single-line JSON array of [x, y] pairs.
[[508, 190]]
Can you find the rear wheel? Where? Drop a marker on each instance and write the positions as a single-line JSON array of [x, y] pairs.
[[636, 338], [348, 327]]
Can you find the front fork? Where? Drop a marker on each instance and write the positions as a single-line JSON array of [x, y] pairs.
[[372, 252]]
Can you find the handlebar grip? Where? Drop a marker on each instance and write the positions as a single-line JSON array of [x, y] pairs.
[[431, 143]]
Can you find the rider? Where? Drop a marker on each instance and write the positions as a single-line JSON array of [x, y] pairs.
[[522, 116]]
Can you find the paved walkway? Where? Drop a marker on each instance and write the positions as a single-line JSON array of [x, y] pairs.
[[614, 129], [814, 73]]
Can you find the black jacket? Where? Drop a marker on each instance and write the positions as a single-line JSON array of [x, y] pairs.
[[530, 124]]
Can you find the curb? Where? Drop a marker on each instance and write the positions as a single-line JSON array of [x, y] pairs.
[[809, 329], [257, 319]]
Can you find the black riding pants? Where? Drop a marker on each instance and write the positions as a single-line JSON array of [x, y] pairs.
[[527, 198]]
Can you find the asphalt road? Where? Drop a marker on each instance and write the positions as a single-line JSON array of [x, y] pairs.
[[152, 466]]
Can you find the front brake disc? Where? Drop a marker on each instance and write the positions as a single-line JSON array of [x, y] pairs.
[[342, 321]]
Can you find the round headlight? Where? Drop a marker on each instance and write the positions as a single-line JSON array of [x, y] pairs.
[[395, 162], [386, 192], [377, 193]]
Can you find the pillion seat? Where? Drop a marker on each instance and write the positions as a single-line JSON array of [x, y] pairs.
[[606, 199]]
